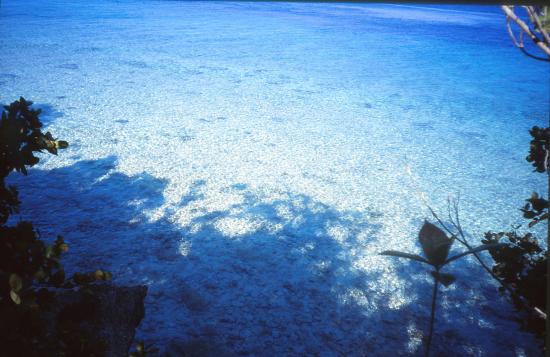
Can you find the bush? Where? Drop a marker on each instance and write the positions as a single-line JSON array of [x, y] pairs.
[[30, 268], [522, 264]]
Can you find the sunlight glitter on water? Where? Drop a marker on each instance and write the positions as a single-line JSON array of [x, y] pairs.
[[248, 161]]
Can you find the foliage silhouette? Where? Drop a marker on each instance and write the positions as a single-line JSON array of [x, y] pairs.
[[522, 265], [436, 246], [28, 266], [538, 149]]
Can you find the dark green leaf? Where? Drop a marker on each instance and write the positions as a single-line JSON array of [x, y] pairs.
[[443, 278], [435, 243], [61, 144], [15, 282], [15, 297]]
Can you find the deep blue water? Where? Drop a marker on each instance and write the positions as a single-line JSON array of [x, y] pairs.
[[248, 161]]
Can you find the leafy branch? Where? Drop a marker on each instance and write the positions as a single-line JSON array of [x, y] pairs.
[[29, 268], [453, 215], [436, 246]]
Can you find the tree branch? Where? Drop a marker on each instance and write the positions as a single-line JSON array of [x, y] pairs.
[[542, 44], [536, 20]]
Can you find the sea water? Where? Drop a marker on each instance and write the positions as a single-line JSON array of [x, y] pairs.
[[248, 162]]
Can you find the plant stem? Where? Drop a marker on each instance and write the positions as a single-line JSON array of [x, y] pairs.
[[432, 319], [464, 241]]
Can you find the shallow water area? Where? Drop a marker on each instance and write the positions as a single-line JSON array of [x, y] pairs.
[[248, 161]]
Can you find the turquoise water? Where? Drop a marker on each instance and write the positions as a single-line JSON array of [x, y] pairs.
[[247, 161]]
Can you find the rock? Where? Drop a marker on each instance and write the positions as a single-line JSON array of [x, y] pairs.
[[105, 312]]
